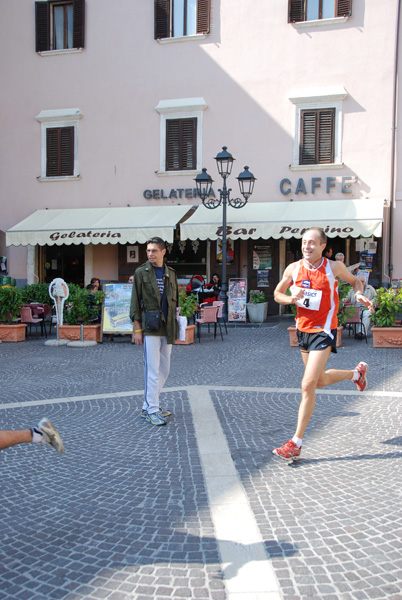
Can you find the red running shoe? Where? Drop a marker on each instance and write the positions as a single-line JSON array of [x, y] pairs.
[[288, 450], [362, 369]]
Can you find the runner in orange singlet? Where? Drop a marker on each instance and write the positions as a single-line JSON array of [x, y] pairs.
[[314, 290]]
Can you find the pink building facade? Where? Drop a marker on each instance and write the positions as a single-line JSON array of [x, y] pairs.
[[105, 107]]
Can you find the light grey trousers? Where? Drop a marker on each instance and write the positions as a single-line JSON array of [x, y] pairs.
[[156, 369]]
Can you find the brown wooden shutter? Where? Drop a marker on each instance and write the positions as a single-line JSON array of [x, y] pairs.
[[317, 136], [59, 151], [79, 23], [296, 11], [42, 26], [181, 144], [344, 8], [326, 136], [203, 16], [161, 18]]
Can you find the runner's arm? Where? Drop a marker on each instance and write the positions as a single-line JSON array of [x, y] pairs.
[[280, 295], [340, 270]]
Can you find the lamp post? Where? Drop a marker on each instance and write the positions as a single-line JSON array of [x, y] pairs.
[[224, 162]]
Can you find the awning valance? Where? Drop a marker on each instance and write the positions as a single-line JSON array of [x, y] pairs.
[[120, 225], [276, 220]]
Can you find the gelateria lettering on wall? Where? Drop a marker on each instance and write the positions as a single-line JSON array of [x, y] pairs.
[[57, 235], [174, 193], [317, 183]]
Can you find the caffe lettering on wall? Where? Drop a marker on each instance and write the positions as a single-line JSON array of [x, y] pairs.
[[342, 185]]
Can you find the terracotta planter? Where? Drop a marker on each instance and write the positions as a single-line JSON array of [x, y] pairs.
[[293, 336], [73, 333], [387, 337], [12, 333], [189, 336]]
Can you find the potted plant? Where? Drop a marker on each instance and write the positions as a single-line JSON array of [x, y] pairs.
[[11, 302], [188, 305], [81, 308], [387, 332], [257, 308]]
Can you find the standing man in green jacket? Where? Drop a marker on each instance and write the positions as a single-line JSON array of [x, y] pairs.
[[155, 289]]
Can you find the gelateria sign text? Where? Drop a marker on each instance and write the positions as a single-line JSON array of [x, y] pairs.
[[174, 193], [327, 184], [58, 235]]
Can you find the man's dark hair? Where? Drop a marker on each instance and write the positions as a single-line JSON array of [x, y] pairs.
[[323, 237], [158, 241]]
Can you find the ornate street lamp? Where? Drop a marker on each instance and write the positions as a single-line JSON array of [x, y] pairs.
[[224, 162]]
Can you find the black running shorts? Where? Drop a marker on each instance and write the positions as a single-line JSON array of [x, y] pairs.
[[316, 341]]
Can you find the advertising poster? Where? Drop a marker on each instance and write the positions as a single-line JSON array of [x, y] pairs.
[[262, 257], [229, 251], [366, 261], [263, 278], [116, 308], [237, 296]]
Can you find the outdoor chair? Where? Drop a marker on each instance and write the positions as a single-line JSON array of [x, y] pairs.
[[208, 314], [28, 317], [355, 320], [219, 304]]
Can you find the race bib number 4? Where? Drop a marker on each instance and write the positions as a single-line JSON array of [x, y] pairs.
[[311, 299]]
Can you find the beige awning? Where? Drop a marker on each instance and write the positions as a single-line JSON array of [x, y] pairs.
[[121, 225], [276, 220]]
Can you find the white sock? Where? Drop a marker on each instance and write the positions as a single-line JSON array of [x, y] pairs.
[[356, 375], [37, 436], [297, 441]]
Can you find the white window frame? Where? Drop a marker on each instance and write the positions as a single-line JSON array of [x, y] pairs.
[[181, 108], [313, 99], [64, 117]]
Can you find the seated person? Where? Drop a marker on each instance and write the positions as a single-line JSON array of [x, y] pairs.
[[370, 293], [215, 285]]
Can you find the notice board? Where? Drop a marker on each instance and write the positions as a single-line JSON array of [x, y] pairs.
[[116, 309]]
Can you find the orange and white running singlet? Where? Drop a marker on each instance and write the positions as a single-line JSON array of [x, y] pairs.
[[317, 311]]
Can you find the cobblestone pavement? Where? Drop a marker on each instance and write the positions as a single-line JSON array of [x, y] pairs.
[[124, 513]]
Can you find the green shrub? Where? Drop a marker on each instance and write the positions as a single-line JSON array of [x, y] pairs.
[[36, 292], [81, 306], [11, 302]]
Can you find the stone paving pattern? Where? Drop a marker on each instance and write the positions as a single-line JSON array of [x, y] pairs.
[[124, 513]]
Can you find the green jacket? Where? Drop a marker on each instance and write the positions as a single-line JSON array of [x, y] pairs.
[[146, 296]]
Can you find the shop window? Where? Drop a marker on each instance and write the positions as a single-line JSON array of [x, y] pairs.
[[180, 135], [59, 144], [60, 25], [181, 18], [315, 10]]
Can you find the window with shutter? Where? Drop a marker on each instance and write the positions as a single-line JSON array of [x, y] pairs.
[[181, 144], [312, 10], [317, 135], [59, 151], [60, 25], [181, 18]]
